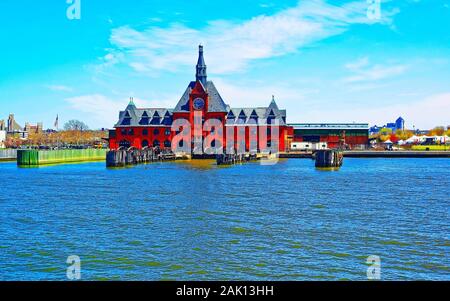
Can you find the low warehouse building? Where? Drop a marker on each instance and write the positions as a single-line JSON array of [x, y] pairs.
[[347, 135]]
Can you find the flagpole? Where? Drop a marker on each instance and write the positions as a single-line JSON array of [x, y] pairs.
[[57, 130]]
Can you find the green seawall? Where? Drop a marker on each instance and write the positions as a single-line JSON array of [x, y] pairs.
[[39, 157]]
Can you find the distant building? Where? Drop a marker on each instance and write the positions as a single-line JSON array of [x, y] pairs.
[[399, 124], [351, 135], [30, 128], [15, 129], [13, 126]]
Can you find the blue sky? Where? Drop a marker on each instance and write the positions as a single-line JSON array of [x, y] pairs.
[[325, 61]]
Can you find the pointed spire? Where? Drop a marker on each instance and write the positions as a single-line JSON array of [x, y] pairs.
[[273, 104], [200, 75], [131, 103]]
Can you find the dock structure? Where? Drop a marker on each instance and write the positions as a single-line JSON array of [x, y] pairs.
[[32, 157], [230, 159], [397, 154], [133, 156], [329, 158], [8, 154]]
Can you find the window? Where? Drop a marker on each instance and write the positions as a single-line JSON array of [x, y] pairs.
[[144, 143], [155, 132], [156, 143], [123, 132], [181, 143], [145, 133], [167, 132], [130, 132], [124, 144], [167, 143]]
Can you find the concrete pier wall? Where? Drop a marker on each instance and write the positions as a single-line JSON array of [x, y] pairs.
[[8, 154], [43, 157]]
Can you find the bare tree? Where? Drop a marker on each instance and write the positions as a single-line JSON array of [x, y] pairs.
[[75, 125]]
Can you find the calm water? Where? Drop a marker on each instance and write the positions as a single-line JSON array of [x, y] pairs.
[[194, 221]]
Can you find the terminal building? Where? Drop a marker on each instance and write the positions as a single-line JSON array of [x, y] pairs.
[[330, 135], [152, 127]]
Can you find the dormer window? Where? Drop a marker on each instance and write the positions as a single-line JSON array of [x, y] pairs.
[[126, 119], [156, 118], [242, 117], [144, 119], [254, 117], [271, 117]]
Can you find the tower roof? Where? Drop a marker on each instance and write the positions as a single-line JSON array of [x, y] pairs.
[[215, 101], [200, 74]]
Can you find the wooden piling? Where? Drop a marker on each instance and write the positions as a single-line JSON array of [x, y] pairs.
[[329, 158], [133, 156]]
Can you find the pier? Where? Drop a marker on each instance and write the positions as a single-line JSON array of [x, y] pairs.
[[230, 159], [397, 154], [133, 156], [373, 154], [8, 155], [31, 157]]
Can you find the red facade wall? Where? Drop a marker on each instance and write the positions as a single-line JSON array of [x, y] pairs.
[[138, 136]]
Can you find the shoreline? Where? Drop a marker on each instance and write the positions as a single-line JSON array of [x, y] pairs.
[[376, 154]]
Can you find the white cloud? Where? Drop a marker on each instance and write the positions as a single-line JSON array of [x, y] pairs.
[[99, 108], [103, 111], [362, 71], [60, 88], [239, 95], [424, 113], [232, 45]]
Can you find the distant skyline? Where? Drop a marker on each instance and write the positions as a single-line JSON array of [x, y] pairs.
[[325, 61]]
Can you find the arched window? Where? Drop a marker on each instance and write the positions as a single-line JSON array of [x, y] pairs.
[[131, 132], [167, 143], [181, 143], [213, 143], [155, 132], [124, 144], [145, 132], [144, 143], [167, 132], [156, 143]]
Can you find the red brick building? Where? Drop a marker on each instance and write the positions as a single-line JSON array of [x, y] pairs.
[[201, 121]]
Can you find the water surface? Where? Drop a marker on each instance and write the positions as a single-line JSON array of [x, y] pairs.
[[197, 221]]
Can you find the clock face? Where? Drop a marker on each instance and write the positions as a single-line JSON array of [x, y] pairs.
[[199, 104]]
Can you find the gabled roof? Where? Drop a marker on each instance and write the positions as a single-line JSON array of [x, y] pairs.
[[215, 101], [260, 115], [133, 116]]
